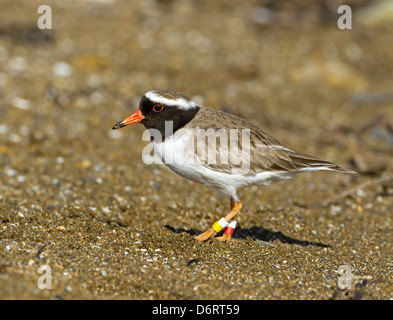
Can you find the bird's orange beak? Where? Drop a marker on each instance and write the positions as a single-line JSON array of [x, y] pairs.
[[134, 118]]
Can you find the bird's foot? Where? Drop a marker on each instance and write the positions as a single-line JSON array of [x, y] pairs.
[[224, 238], [206, 235]]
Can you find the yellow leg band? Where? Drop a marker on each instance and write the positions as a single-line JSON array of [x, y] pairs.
[[219, 225], [216, 226]]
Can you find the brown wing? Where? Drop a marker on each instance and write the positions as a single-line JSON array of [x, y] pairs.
[[232, 143]]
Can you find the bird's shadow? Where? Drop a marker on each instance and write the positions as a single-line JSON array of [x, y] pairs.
[[258, 233]]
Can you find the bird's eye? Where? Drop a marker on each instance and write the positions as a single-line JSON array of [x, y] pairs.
[[158, 107]]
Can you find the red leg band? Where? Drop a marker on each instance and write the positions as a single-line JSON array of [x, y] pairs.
[[229, 230]]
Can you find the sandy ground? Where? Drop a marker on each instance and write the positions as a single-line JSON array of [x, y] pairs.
[[77, 197]]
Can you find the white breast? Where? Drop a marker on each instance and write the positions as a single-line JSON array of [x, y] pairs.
[[177, 152]]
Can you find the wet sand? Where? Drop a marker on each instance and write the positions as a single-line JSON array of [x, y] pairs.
[[77, 197]]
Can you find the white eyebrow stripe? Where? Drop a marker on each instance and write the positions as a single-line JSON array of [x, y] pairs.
[[180, 102]]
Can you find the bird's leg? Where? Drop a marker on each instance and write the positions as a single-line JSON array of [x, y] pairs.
[[228, 231], [227, 235], [236, 206]]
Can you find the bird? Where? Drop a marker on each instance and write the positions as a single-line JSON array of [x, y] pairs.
[[218, 149]]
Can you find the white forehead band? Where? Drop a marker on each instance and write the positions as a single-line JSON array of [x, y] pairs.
[[179, 102]]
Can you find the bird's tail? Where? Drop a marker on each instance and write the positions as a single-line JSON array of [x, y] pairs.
[[306, 163]]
